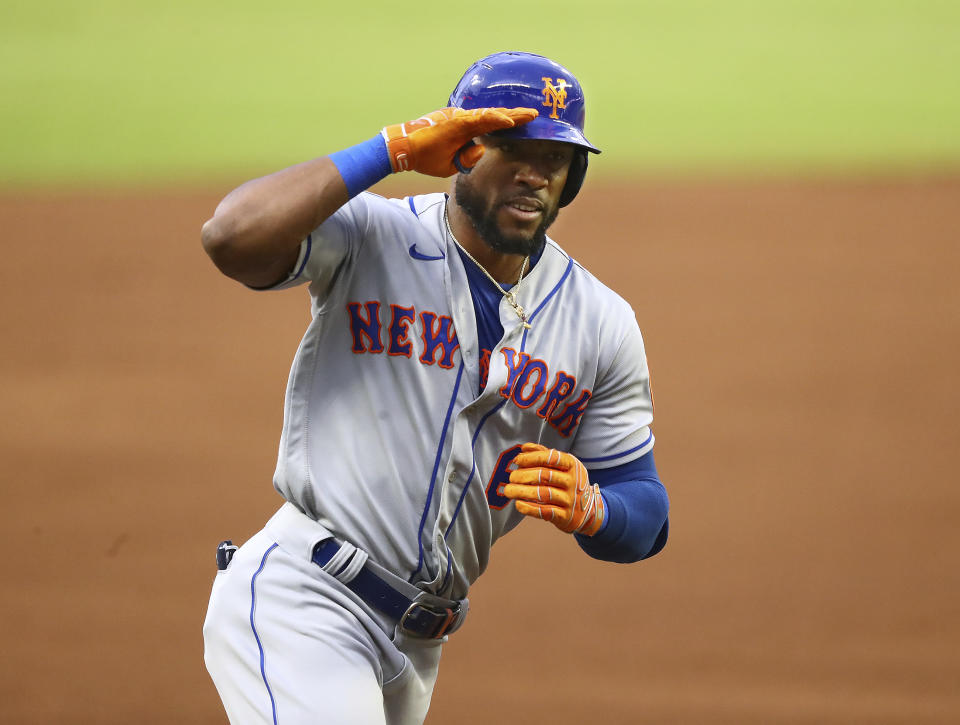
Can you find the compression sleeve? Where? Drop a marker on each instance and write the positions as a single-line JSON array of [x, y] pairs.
[[363, 165], [637, 507]]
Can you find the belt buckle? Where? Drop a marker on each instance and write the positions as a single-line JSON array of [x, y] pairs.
[[431, 617]]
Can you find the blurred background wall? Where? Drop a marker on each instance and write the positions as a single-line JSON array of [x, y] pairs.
[[129, 92]]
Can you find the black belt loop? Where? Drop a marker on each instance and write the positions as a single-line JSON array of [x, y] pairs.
[[422, 614], [225, 552]]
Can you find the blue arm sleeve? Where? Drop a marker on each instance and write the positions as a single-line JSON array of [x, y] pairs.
[[363, 165], [637, 508]]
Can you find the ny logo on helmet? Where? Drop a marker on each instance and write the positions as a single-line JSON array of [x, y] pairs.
[[554, 96]]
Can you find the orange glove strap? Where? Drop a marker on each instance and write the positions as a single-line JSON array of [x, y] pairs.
[[550, 485], [430, 143]]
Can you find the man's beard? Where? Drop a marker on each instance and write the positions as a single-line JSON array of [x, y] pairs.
[[484, 220]]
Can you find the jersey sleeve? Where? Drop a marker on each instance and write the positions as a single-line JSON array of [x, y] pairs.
[[615, 427], [329, 247]]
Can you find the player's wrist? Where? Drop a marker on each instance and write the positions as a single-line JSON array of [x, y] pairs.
[[595, 515], [363, 165], [603, 511]]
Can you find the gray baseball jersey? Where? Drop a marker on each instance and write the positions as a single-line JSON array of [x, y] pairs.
[[386, 441]]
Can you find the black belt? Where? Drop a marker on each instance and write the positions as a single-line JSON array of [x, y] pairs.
[[416, 612]]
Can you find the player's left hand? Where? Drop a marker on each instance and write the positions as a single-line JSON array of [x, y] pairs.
[[550, 485]]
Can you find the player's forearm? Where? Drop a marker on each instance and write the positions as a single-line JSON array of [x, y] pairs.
[[637, 522], [255, 233]]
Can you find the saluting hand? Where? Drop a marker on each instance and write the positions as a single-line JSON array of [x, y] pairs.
[[431, 144]]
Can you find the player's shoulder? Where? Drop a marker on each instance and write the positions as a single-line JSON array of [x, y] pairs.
[[387, 222], [407, 208], [423, 206], [602, 296], [604, 318]]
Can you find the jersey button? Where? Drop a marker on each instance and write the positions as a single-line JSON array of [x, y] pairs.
[[452, 477]]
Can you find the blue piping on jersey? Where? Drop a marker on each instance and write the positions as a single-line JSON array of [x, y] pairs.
[[306, 256], [473, 466], [618, 455], [253, 606], [412, 207], [436, 465], [463, 493], [566, 273]]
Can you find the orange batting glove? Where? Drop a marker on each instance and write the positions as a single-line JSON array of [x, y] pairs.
[[431, 143], [553, 486]]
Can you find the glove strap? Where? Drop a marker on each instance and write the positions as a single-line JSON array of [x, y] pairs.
[[596, 514], [397, 143]]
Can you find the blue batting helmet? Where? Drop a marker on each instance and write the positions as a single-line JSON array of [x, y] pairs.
[[514, 80]]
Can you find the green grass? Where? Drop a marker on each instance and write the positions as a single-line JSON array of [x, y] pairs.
[[123, 92]]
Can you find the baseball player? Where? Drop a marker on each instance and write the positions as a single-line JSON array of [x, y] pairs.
[[461, 372]]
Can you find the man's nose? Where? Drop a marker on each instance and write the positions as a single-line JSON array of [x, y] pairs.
[[530, 174]]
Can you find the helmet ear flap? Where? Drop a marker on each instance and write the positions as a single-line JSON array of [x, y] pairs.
[[578, 169]]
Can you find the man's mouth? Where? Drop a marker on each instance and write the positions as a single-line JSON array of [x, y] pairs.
[[524, 208]]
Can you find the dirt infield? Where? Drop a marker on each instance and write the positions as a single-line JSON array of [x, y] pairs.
[[804, 338]]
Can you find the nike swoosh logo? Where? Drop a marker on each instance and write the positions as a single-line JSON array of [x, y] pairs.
[[423, 257]]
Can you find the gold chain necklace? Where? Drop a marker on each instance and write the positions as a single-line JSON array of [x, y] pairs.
[[510, 295]]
